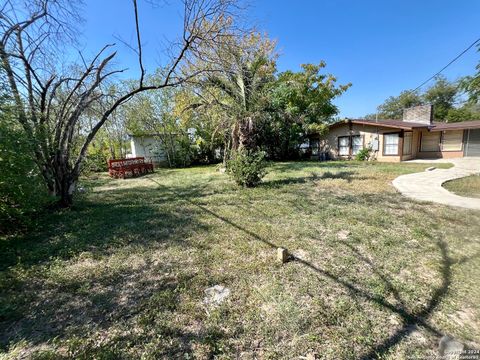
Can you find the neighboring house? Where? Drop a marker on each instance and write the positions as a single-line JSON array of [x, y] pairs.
[[416, 136], [148, 146]]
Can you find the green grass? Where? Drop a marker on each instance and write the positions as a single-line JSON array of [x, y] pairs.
[[467, 186], [122, 274]]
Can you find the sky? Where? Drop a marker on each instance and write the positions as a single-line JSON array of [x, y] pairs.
[[380, 46]]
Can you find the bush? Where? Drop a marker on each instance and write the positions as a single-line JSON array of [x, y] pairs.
[[22, 191], [95, 161], [363, 154], [247, 168]]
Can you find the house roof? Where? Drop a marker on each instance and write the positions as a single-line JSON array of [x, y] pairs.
[[395, 124], [473, 124], [406, 125]]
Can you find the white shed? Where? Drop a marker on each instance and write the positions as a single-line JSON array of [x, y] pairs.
[[148, 146]]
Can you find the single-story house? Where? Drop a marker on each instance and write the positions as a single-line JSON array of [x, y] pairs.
[[416, 136]]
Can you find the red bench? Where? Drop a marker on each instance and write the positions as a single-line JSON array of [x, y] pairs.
[[129, 167]]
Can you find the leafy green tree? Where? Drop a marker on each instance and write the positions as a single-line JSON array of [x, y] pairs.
[[254, 107], [209, 123], [467, 112], [393, 107], [22, 191], [245, 68], [154, 114], [299, 103], [442, 95], [471, 84]]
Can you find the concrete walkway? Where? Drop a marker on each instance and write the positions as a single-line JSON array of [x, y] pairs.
[[427, 185]]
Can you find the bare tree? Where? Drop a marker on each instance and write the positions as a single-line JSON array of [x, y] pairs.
[[50, 102]]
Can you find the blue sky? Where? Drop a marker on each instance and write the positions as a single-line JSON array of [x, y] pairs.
[[381, 47]]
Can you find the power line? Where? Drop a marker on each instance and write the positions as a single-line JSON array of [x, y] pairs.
[[446, 66]]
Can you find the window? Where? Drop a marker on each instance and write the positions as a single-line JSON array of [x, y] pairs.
[[452, 140], [357, 144], [430, 141], [344, 145], [407, 143], [390, 144]]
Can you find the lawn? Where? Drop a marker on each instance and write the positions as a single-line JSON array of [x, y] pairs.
[[467, 186], [123, 274]]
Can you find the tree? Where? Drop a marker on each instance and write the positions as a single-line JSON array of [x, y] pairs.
[[299, 103], [204, 114], [21, 188], [50, 104], [467, 112], [153, 113], [471, 84], [393, 107], [242, 69], [250, 106], [442, 95]]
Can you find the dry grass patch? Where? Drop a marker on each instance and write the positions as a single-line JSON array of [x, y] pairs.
[[468, 186]]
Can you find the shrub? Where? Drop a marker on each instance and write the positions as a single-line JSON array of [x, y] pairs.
[[95, 161], [363, 154], [22, 191], [185, 153], [247, 168]]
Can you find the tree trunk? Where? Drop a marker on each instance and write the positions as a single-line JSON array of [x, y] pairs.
[[112, 150], [63, 180], [226, 152], [66, 193], [235, 143], [247, 134], [172, 149]]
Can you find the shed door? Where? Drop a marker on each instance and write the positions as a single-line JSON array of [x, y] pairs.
[[472, 147]]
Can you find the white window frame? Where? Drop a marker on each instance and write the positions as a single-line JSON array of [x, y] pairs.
[[356, 147], [347, 147], [391, 145]]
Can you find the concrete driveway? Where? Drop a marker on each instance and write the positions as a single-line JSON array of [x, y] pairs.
[[427, 185]]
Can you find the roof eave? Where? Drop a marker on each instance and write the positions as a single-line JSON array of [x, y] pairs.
[[390, 126], [441, 128]]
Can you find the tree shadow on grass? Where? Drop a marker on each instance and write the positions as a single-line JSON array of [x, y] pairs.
[[146, 218], [133, 219], [281, 167], [315, 178], [420, 318], [398, 203], [97, 323], [348, 176], [410, 319]]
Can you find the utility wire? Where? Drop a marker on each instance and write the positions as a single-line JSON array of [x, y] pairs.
[[446, 66]]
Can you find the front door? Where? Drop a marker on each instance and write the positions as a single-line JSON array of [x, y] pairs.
[[472, 142]]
